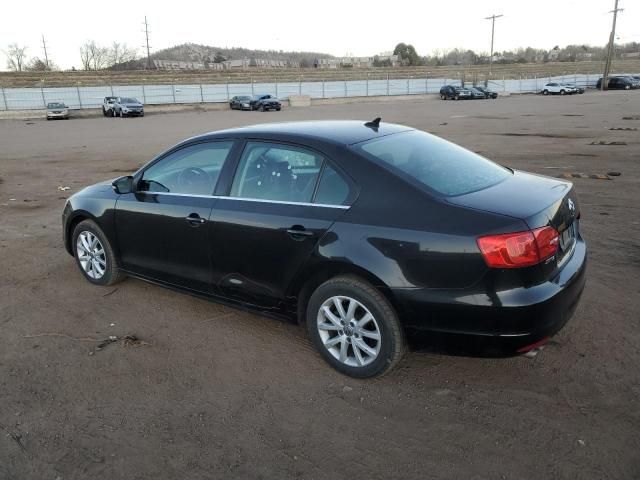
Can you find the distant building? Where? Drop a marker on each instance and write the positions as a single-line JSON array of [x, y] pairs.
[[358, 62]]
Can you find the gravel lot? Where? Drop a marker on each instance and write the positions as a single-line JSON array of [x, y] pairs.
[[215, 392]]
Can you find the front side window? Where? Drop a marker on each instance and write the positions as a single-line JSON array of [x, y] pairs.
[[192, 170], [269, 171], [439, 165]]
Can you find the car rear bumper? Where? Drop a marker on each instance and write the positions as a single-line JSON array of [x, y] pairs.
[[57, 115], [511, 319]]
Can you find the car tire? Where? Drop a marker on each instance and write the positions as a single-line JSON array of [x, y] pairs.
[[361, 351], [457, 97], [627, 87], [562, 92], [278, 109], [261, 108], [545, 92], [443, 97], [98, 268], [104, 112]]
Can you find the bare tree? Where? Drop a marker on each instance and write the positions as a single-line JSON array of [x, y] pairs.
[[16, 57], [121, 53], [36, 64], [93, 56]]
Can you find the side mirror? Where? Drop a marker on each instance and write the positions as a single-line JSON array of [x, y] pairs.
[[123, 185]]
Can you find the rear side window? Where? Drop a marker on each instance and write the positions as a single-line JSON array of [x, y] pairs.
[[269, 171], [333, 189], [435, 163]]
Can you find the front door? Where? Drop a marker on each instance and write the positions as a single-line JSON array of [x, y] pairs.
[[274, 217], [163, 228]]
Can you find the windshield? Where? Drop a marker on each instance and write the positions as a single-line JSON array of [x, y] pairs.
[[129, 100], [56, 105], [435, 163]]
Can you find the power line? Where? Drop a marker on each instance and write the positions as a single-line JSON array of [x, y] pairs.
[[612, 36], [493, 24], [146, 34]]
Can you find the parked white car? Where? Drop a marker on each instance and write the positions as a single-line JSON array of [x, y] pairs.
[[558, 88]]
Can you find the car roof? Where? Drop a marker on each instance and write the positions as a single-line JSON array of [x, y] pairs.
[[341, 132]]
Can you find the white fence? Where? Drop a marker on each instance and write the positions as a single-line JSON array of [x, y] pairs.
[[91, 97]]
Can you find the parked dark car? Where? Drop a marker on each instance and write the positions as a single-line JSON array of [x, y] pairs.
[[477, 94], [128, 107], [368, 233], [265, 102], [488, 93], [617, 83], [454, 92], [57, 110], [241, 102]]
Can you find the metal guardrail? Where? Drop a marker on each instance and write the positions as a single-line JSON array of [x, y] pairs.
[[77, 97]]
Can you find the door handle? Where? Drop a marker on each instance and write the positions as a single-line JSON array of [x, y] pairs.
[[298, 232], [195, 220]]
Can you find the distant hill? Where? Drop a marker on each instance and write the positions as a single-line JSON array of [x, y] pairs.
[[191, 52]]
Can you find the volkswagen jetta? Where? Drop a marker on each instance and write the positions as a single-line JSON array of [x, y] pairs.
[[367, 233]]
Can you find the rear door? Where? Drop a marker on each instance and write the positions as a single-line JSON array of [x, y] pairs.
[[163, 227], [273, 217]]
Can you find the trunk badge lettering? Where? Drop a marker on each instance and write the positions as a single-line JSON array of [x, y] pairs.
[[572, 207]]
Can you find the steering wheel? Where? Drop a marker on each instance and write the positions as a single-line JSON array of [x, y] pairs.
[[195, 180]]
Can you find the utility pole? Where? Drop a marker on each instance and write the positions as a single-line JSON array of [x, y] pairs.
[[612, 36], [46, 57], [493, 24], [146, 34]]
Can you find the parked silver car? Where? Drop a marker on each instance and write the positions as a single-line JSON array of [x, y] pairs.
[[57, 110]]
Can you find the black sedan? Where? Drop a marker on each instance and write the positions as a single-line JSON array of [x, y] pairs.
[[488, 93], [367, 233], [477, 94]]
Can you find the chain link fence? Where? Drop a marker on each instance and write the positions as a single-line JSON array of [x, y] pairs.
[[91, 97]]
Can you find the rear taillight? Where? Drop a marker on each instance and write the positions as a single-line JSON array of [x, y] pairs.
[[519, 249]]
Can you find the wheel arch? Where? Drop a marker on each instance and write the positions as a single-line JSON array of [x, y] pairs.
[[312, 278], [72, 222]]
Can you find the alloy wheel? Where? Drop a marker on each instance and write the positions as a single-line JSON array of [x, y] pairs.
[[349, 331], [91, 255]]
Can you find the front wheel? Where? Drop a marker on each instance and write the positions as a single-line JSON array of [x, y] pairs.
[[562, 92], [355, 328], [94, 254], [457, 97], [545, 92], [627, 87]]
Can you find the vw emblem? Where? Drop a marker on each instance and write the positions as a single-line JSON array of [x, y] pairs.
[[572, 207]]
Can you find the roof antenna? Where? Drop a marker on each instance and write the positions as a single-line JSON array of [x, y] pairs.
[[374, 124]]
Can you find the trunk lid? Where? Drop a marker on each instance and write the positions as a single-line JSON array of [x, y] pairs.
[[536, 199]]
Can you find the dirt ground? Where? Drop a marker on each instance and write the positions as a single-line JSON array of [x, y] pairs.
[[215, 392]]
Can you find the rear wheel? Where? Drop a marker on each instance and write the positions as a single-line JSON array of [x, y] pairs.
[[354, 327], [94, 254], [261, 108], [627, 87], [443, 97]]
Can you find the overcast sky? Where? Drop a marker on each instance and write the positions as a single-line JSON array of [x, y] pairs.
[[338, 27]]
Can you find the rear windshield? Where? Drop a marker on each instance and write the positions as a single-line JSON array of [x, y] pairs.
[[435, 163]]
